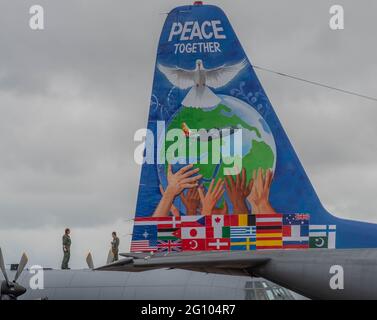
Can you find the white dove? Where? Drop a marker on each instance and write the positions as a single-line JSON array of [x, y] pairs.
[[199, 80]]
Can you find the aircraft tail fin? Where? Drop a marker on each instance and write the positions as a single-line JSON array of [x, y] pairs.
[[269, 203]]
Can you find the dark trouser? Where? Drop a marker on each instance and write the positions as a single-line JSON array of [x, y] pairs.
[[115, 254], [67, 255]]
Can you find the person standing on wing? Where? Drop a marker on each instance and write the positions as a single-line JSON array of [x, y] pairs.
[[115, 246], [66, 249]]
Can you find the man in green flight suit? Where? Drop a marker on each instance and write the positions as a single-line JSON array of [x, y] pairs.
[[66, 248], [115, 246]]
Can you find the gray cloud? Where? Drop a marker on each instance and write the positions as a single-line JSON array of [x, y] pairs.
[[72, 96]]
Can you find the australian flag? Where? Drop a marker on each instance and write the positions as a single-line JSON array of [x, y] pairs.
[[296, 219]]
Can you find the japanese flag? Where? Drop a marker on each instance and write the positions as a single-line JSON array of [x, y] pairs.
[[193, 233]]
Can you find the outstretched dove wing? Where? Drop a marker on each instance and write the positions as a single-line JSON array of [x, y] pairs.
[[219, 77], [180, 78]]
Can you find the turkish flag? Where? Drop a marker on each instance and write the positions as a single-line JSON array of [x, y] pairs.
[[193, 244]]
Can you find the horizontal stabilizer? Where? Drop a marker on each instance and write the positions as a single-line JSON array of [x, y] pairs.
[[216, 262]]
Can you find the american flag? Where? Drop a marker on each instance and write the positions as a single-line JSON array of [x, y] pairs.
[[143, 246]]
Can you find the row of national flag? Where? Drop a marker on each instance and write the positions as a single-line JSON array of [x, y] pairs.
[[230, 232]]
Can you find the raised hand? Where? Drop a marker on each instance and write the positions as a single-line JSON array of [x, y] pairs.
[[177, 182], [182, 179], [260, 192], [238, 190], [224, 210], [191, 201], [213, 195], [173, 209]]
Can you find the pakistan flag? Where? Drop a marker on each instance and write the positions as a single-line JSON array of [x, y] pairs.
[[322, 236], [318, 242]]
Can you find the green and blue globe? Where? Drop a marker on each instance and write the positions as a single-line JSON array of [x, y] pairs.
[[258, 148]]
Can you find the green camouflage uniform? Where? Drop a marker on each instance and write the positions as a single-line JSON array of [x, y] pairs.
[[66, 250], [115, 248]]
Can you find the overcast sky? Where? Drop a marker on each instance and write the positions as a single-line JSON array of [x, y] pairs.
[[72, 96]]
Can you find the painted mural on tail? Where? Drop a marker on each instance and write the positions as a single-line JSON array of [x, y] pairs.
[[230, 232], [223, 175]]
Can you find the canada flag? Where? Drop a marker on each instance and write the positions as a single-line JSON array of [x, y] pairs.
[[217, 220]]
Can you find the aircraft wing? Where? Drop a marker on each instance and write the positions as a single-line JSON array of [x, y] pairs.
[[314, 273]]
